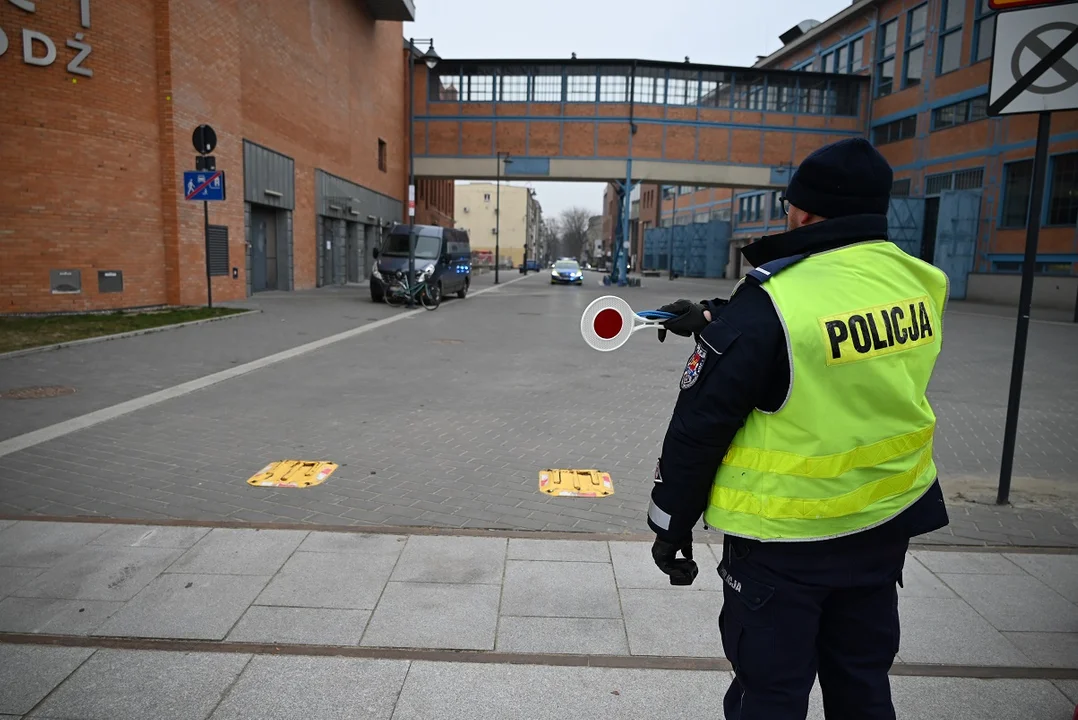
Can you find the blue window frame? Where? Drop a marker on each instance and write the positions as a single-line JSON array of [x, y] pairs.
[[984, 31], [885, 58], [960, 113], [1017, 184], [949, 49], [914, 65], [901, 129], [776, 205], [1062, 190]]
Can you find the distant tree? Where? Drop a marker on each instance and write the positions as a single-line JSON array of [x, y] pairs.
[[550, 239], [573, 226]]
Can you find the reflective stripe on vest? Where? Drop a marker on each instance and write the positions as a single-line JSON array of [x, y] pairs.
[[852, 445]]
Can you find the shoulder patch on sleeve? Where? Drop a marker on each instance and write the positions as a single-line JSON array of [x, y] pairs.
[[693, 367]]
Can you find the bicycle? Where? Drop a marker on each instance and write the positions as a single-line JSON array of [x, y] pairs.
[[425, 294]]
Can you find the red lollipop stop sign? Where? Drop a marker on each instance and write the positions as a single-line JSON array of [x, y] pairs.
[[608, 322]]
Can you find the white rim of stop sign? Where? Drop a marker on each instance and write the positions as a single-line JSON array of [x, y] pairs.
[[630, 323]]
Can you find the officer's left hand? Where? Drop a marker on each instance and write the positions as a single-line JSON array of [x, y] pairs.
[[682, 571], [690, 319]]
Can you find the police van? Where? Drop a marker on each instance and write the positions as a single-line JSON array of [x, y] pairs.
[[443, 258]]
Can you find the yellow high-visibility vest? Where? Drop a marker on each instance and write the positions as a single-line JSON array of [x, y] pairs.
[[851, 447]]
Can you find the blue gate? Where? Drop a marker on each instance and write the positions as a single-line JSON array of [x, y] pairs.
[[699, 249], [956, 237], [905, 223]]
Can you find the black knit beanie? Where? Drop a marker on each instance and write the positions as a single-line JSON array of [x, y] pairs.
[[849, 177]]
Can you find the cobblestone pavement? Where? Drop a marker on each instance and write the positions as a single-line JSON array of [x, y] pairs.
[[445, 419]]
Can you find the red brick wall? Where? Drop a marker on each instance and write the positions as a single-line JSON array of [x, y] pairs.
[[319, 82]]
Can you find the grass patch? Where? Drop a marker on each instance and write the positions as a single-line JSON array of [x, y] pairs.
[[19, 333]]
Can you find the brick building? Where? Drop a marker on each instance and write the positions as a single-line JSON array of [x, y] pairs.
[[309, 103], [928, 64]]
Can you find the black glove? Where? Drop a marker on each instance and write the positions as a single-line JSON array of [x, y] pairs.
[[681, 571], [689, 319]]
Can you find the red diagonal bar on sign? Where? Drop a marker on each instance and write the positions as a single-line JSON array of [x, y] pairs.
[[202, 187]]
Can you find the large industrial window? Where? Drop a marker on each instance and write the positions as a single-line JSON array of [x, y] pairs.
[[1063, 190], [885, 65], [950, 42], [546, 88], [901, 129], [614, 88], [1017, 178], [960, 113], [857, 55], [581, 87], [984, 31], [916, 21]]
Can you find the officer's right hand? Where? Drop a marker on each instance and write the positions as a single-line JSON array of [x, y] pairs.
[[691, 319], [682, 571]]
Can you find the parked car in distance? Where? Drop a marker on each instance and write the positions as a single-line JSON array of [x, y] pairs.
[[566, 272], [443, 258], [529, 266]]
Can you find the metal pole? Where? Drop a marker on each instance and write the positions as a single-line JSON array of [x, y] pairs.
[[412, 190], [1025, 298], [497, 217], [206, 233], [670, 250]]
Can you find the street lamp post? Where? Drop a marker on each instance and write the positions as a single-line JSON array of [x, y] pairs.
[[431, 59], [498, 211]]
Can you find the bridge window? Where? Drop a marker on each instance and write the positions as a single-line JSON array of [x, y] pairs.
[[984, 31], [614, 88], [901, 129], [477, 88], [960, 113], [682, 89], [514, 88], [916, 20], [715, 89], [547, 85], [885, 64], [1063, 190], [649, 87], [581, 85], [750, 91], [1017, 181], [950, 43], [782, 94]]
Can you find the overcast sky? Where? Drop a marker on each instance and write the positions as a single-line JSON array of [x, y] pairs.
[[720, 32]]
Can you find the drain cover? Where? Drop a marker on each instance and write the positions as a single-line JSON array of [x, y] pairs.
[[35, 393]]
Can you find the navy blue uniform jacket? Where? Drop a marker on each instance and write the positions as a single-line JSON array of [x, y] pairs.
[[753, 372]]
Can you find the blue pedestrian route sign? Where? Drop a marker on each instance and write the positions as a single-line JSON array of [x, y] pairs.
[[204, 185]]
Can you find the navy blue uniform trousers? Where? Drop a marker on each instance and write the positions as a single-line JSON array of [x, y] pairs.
[[789, 615]]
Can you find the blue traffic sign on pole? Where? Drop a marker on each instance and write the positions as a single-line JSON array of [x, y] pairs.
[[204, 185]]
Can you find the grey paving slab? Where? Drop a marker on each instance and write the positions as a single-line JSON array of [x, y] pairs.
[[152, 536], [28, 673], [1069, 688], [43, 544], [429, 558], [1047, 649], [101, 573], [1059, 572], [319, 689], [917, 581], [231, 551], [5, 524], [971, 699], [331, 580], [55, 617], [689, 625], [435, 615], [635, 568], [948, 631], [302, 626], [340, 542], [134, 685], [462, 691], [13, 578], [539, 588], [964, 562], [572, 636], [202, 607], [558, 550], [1016, 602]]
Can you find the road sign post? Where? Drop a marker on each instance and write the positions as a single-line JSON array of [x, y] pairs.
[[1034, 70], [207, 184]]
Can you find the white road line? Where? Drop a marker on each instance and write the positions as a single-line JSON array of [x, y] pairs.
[[45, 434]]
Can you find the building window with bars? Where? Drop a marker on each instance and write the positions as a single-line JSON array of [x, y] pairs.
[[1063, 190], [1017, 180], [984, 31], [901, 129], [900, 188], [914, 66], [950, 40], [885, 62], [960, 113]]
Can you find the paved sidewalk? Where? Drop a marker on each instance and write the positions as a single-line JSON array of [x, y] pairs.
[[113, 620]]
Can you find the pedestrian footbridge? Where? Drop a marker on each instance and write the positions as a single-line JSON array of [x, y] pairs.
[[627, 120]]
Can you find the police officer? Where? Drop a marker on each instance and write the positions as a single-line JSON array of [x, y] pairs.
[[803, 433]]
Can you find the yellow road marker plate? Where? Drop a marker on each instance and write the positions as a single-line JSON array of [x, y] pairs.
[[575, 483], [293, 474]]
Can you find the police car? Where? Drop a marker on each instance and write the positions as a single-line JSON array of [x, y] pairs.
[[566, 272]]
